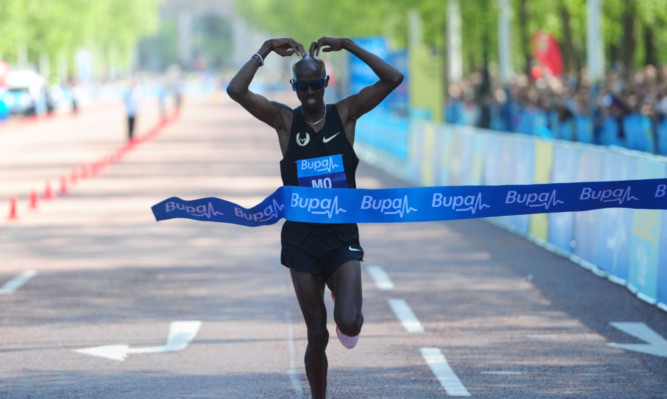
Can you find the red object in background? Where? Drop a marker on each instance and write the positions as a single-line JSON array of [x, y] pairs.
[[546, 51], [48, 193], [536, 72], [63, 185], [34, 198], [13, 209]]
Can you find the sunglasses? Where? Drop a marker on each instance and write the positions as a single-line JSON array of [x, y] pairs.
[[299, 85]]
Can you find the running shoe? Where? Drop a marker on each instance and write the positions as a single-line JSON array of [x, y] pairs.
[[345, 340]]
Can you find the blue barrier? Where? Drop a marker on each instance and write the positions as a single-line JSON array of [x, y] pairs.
[[615, 225], [661, 132], [627, 246], [584, 126], [638, 132], [561, 225]]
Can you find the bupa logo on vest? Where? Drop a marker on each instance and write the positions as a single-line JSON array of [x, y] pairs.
[[317, 166]]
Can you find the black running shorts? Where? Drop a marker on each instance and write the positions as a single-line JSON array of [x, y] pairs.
[[319, 248]]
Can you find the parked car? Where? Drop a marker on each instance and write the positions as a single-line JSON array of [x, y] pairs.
[[24, 89]]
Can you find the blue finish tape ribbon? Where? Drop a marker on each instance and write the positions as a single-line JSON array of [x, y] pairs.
[[419, 204]]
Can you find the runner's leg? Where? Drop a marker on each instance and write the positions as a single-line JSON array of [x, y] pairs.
[[309, 290], [345, 283]]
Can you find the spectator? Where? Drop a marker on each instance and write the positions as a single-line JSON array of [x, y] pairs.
[[626, 110], [131, 99]]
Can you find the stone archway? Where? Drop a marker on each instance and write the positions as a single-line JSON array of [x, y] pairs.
[[192, 18]]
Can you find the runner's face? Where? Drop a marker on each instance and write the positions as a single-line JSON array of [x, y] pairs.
[[311, 98]]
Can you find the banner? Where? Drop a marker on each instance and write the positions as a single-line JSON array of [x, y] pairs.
[[420, 204], [547, 51]]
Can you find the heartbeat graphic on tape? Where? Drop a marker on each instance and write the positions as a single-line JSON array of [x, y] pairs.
[[419, 204]]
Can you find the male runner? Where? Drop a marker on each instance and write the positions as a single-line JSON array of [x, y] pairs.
[[318, 134]]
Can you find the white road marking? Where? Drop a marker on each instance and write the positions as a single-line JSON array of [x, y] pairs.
[[448, 379], [292, 372], [406, 315], [381, 279], [501, 372], [542, 336], [656, 345], [14, 284], [531, 317], [181, 333]]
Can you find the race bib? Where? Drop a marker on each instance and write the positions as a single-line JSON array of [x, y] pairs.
[[322, 172]]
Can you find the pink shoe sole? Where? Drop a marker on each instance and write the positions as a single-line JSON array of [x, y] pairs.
[[347, 341]]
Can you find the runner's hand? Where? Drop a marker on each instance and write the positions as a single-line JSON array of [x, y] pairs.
[[326, 44], [287, 46]]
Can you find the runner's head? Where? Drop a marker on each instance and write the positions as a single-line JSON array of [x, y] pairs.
[[309, 78]]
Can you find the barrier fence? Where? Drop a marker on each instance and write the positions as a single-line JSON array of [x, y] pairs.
[[627, 246]]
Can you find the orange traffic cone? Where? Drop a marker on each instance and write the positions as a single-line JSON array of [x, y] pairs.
[[63, 185], [13, 211], [34, 198], [48, 194]]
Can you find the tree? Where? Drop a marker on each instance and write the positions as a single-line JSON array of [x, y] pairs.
[[58, 28]]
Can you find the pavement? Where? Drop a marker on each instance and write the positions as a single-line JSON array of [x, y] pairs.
[[184, 309]]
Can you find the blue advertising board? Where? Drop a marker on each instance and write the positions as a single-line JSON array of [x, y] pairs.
[[662, 260], [361, 75], [585, 223], [565, 170], [518, 159], [645, 239], [612, 252]]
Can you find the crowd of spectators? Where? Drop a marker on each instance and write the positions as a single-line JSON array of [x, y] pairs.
[[626, 110]]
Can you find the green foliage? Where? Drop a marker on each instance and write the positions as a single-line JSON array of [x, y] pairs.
[[306, 20], [58, 28]]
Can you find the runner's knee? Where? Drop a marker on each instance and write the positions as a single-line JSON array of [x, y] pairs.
[[350, 322], [318, 337]]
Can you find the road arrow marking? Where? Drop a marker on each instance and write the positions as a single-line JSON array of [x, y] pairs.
[[181, 333], [656, 345]]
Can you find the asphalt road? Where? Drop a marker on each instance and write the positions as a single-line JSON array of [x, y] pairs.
[[184, 309]]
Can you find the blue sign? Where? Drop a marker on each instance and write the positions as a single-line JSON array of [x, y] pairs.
[[361, 75], [322, 172]]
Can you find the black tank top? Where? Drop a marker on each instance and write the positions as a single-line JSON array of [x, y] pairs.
[[304, 143]]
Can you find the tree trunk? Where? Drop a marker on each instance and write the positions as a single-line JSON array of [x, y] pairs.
[[568, 46], [629, 41], [525, 35], [651, 51]]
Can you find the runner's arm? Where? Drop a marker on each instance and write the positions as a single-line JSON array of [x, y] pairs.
[[259, 106], [355, 105]]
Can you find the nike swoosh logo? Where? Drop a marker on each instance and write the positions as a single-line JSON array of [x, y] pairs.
[[328, 139], [354, 249]]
